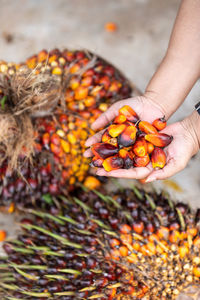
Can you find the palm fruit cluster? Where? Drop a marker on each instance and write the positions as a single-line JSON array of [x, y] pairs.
[[129, 142], [127, 245], [89, 85]]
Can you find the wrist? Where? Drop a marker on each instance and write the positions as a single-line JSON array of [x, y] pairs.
[[192, 125], [158, 101], [171, 83]]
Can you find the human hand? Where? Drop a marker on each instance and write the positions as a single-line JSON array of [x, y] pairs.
[[184, 145], [147, 110]]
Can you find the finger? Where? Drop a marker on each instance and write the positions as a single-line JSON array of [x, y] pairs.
[[108, 115], [135, 173], [169, 170], [88, 153], [94, 139]]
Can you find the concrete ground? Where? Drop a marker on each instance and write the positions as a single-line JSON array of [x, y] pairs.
[[137, 47]]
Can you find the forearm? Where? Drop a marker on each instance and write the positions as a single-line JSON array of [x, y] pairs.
[[180, 68], [192, 127]]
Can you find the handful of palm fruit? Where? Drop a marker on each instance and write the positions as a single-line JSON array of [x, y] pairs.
[[47, 105], [127, 245], [129, 142]]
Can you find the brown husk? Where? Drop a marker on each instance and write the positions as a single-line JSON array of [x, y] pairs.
[[27, 94]]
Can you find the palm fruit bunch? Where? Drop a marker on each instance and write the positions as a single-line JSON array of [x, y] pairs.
[[129, 142], [47, 105], [127, 245]]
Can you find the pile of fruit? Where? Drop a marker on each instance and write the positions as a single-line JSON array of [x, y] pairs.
[[126, 245], [129, 142], [76, 242], [84, 85]]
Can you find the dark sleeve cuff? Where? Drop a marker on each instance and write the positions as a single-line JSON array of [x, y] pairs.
[[197, 107]]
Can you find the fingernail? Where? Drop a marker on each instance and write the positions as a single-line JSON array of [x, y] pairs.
[[150, 179], [85, 154], [87, 143], [93, 126]]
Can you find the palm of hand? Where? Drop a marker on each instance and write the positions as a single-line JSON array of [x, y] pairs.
[[178, 152]]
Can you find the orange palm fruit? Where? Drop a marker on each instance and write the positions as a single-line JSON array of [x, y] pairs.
[[143, 181], [115, 130], [140, 147], [113, 163], [120, 119], [158, 158], [92, 183], [2, 235], [183, 251], [196, 271], [114, 243], [150, 147], [128, 136], [123, 250], [129, 113], [159, 123], [125, 228], [105, 137], [103, 150], [97, 162], [138, 227], [159, 139], [126, 238], [141, 161], [146, 127]]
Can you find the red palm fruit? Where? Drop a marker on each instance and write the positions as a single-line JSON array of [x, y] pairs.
[[150, 147], [105, 137], [120, 119], [140, 147], [159, 123], [158, 158], [141, 161], [113, 163], [129, 113], [138, 227], [127, 157], [128, 136], [115, 130], [104, 150], [159, 139], [97, 162], [146, 127]]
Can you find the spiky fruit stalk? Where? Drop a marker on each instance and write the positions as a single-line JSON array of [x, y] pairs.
[[128, 245], [79, 86]]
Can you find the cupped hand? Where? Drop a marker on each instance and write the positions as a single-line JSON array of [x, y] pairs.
[[184, 145], [146, 110]]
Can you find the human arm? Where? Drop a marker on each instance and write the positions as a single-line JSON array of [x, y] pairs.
[[174, 78]]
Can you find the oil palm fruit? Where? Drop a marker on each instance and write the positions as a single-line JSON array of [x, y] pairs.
[[128, 245], [140, 140], [160, 123], [47, 105]]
